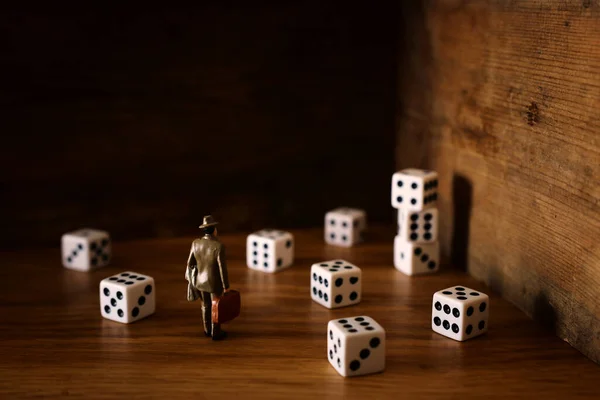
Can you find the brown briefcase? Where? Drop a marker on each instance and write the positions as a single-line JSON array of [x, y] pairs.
[[226, 307]]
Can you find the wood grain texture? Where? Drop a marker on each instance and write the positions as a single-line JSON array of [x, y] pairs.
[[54, 342], [502, 99], [141, 121]]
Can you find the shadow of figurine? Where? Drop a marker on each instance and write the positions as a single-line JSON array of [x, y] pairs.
[[462, 199]]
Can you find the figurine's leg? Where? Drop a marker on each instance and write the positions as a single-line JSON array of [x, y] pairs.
[[206, 312], [217, 333]]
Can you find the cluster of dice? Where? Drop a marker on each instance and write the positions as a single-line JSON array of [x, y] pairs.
[[125, 297], [355, 345], [458, 312], [414, 195]]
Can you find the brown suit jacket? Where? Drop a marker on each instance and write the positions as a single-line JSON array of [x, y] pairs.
[[206, 267]]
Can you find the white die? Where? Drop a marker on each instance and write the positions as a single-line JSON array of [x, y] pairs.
[[85, 249], [270, 250], [460, 313], [345, 226], [335, 283], [127, 297], [356, 346], [416, 258], [414, 189], [418, 226]]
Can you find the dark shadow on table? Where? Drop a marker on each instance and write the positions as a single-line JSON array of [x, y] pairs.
[[544, 313], [462, 198]]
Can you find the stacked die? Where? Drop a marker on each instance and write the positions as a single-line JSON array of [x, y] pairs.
[[414, 195]]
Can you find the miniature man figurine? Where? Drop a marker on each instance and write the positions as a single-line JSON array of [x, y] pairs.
[[206, 274]]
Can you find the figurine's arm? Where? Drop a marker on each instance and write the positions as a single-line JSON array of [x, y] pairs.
[[223, 268], [190, 275], [191, 264]]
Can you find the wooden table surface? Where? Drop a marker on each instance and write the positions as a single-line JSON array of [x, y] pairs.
[[53, 341]]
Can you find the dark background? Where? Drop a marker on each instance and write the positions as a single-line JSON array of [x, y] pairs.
[[140, 120]]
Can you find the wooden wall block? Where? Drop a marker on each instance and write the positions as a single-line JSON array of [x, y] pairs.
[[503, 100]]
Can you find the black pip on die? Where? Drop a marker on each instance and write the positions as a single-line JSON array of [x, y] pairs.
[[345, 226], [85, 249], [127, 297], [460, 313], [356, 346], [335, 283], [270, 250]]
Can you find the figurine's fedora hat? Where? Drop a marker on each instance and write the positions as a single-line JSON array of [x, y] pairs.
[[207, 221]]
